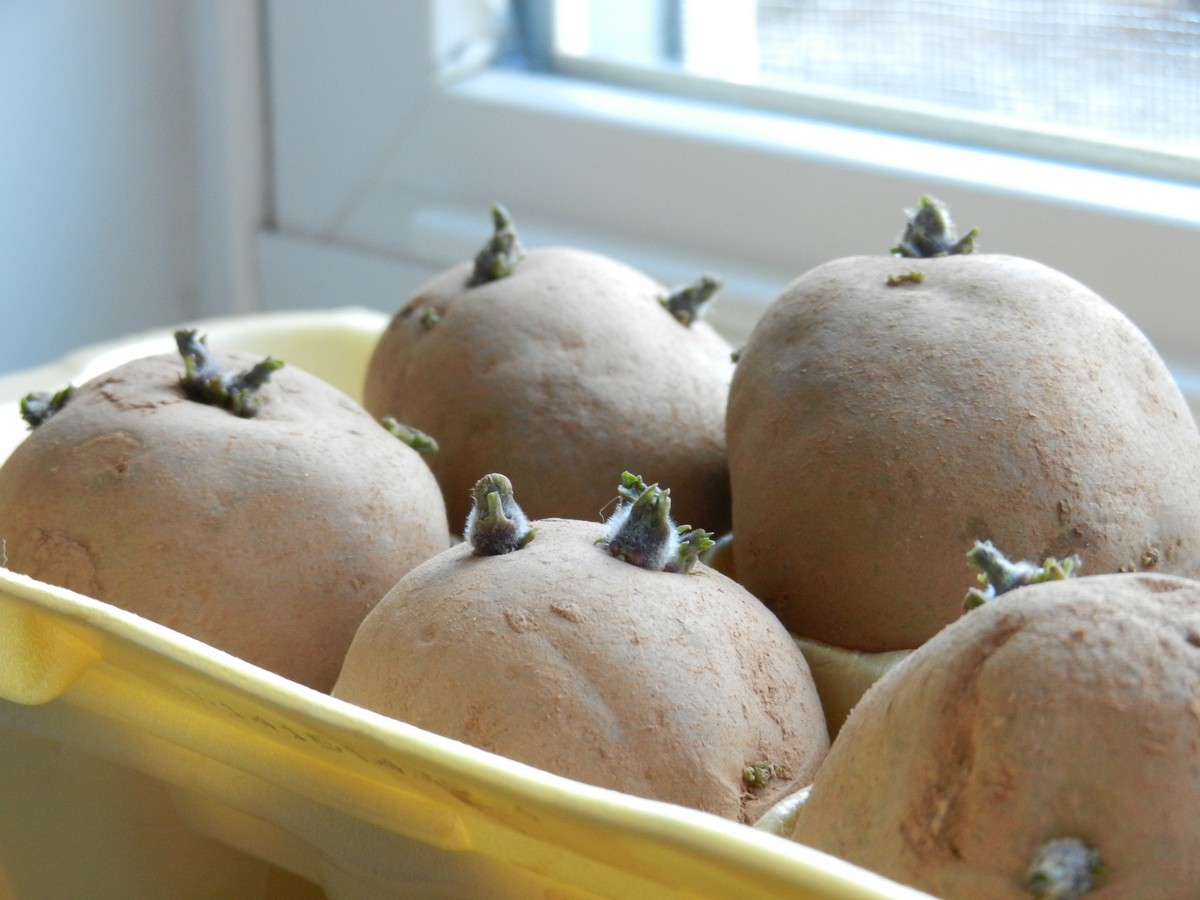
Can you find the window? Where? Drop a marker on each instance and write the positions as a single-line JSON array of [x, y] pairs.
[[1112, 82], [393, 131]]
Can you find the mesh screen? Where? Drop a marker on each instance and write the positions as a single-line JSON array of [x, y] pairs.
[[1114, 71]]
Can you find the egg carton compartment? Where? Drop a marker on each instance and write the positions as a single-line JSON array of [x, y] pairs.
[[140, 763]]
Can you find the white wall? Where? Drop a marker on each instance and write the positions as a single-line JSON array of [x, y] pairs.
[[118, 124]]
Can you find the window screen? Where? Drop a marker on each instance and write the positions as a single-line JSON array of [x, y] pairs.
[[1101, 80]]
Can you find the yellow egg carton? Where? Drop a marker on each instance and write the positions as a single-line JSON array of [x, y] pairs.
[[136, 762]]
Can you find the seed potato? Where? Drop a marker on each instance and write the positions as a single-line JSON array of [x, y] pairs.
[[886, 413], [268, 536], [553, 651], [558, 367], [1055, 727]]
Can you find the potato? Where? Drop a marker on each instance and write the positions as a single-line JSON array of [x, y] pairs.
[[268, 534], [607, 656], [559, 367], [1058, 723], [886, 413]]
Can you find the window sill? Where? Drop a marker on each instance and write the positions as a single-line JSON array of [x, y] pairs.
[[680, 187]]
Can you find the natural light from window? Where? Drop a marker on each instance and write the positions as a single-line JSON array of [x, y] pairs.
[[1103, 82]]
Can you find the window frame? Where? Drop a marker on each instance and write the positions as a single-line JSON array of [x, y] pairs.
[[391, 136], [740, 85]]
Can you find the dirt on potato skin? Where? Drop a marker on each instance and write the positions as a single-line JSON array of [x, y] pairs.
[[658, 684], [875, 432], [268, 537], [1064, 709], [562, 375]]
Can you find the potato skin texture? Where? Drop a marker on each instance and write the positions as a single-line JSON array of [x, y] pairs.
[[875, 432], [558, 655], [562, 375], [1063, 709], [268, 537]]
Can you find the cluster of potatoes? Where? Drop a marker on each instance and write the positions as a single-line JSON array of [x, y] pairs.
[[500, 575]]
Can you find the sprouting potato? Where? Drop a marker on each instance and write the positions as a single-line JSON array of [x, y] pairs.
[[242, 502], [1043, 745], [602, 652], [559, 366], [888, 411]]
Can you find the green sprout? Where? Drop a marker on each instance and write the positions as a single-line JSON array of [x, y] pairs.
[[759, 774], [496, 524], [1063, 869], [688, 303], [910, 277], [413, 437], [501, 254], [998, 574], [640, 530], [930, 231], [39, 406], [204, 381]]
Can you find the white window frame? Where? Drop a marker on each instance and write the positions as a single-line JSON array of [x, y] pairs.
[[391, 137]]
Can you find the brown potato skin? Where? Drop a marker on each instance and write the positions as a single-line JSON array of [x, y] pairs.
[[875, 433], [1064, 709], [658, 684], [268, 537], [562, 376]]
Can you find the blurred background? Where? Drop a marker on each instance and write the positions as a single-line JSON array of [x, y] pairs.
[[113, 160], [165, 161]]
